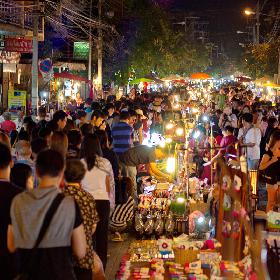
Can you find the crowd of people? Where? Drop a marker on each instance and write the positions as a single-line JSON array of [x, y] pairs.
[[68, 179]]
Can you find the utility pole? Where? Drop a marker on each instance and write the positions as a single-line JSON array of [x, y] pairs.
[[34, 92], [99, 46], [278, 77], [90, 45], [258, 23]]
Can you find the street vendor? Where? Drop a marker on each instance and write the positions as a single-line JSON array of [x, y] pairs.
[[142, 154]]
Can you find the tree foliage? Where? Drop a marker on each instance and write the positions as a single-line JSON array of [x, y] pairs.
[[151, 43], [261, 60]]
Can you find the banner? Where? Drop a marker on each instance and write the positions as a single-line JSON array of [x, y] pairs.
[[17, 100], [18, 45], [81, 50]]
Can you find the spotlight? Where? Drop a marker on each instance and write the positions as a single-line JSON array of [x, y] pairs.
[[168, 140], [170, 125]]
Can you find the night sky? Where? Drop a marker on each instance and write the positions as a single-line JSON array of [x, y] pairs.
[[225, 18]]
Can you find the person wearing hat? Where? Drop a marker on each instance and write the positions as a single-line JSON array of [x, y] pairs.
[[7, 125]]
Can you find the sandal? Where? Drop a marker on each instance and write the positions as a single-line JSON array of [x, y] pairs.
[[117, 238]]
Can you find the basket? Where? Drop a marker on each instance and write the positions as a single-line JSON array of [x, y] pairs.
[[185, 255], [200, 206]]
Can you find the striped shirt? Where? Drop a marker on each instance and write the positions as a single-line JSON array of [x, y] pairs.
[[122, 137]]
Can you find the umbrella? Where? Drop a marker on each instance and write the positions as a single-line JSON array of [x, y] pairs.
[[172, 78], [200, 76], [243, 79], [141, 80]]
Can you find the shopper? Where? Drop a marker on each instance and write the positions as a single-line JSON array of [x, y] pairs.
[[99, 182], [58, 121], [59, 142], [250, 138], [270, 165], [7, 192], [22, 176], [73, 174], [7, 125], [122, 134], [53, 258]]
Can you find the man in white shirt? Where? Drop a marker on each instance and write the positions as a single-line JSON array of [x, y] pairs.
[[250, 137]]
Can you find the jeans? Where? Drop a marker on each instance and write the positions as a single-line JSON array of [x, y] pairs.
[[253, 164], [100, 236]]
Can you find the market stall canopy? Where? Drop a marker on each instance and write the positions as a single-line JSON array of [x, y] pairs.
[[200, 76], [173, 78], [141, 80], [243, 79], [70, 65], [264, 80], [69, 76], [271, 85]]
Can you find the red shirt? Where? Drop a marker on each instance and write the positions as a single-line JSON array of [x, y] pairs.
[[8, 126]]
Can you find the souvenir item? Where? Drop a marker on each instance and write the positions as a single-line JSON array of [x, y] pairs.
[[159, 224], [237, 183], [227, 202], [226, 229], [149, 225], [226, 183], [169, 224], [139, 225], [235, 230]]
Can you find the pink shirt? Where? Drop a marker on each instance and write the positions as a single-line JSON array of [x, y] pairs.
[[8, 126]]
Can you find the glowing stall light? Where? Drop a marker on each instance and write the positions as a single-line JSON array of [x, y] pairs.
[[205, 118], [195, 110], [176, 106], [200, 220], [196, 134], [162, 143], [170, 125], [179, 131], [176, 98], [168, 140], [170, 165], [180, 199]]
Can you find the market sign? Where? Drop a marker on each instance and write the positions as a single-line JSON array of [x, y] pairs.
[[81, 50], [17, 100], [18, 45]]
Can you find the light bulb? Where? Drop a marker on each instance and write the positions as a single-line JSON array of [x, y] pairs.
[[170, 165], [179, 131]]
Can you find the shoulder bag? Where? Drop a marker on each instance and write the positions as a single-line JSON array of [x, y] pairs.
[[27, 274]]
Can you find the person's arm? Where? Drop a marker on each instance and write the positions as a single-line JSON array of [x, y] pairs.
[[233, 121], [10, 239], [267, 161], [78, 242], [108, 184], [140, 131]]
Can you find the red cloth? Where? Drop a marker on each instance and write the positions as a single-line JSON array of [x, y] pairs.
[[227, 144], [8, 126]]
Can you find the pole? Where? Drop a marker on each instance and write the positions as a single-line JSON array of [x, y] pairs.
[[258, 23], [1, 85], [90, 45], [278, 77], [99, 46], [34, 92]]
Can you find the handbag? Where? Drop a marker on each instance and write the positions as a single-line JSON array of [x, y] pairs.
[[270, 174], [27, 275]]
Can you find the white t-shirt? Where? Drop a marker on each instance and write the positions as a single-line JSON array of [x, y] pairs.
[[253, 135], [95, 180]]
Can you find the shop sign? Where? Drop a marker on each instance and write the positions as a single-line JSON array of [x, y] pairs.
[[9, 57], [17, 100], [81, 50], [18, 45]]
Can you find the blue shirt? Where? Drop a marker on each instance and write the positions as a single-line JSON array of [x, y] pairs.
[[122, 137]]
